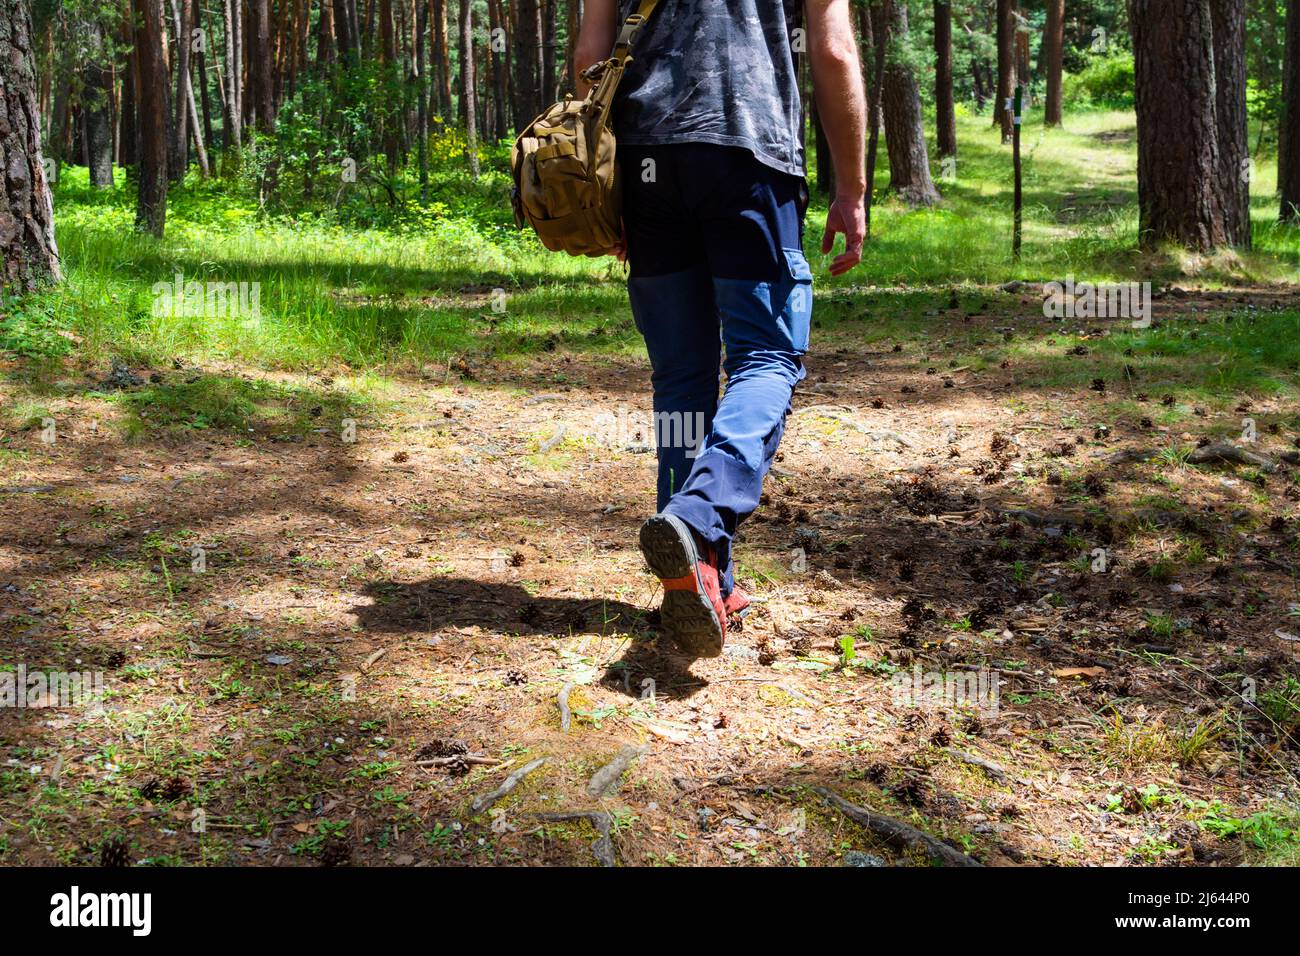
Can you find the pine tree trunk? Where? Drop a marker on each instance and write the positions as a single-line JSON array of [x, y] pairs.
[[945, 108], [1289, 159], [909, 160], [499, 62], [232, 124], [126, 137], [26, 208], [343, 32], [548, 52], [325, 37], [571, 40], [1051, 60], [528, 44], [200, 151], [422, 96], [1233, 181], [442, 57], [178, 148], [1006, 40], [467, 83], [388, 54], [97, 97], [264, 81], [1178, 152], [151, 101], [201, 18], [875, 27]]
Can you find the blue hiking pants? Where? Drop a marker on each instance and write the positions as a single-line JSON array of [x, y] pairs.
[[715, 245]]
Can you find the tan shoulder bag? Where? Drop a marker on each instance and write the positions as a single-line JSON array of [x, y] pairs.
[[566, 175]]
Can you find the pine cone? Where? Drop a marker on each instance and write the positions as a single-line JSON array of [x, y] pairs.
[[442, 748], [114, 853], [336, 852]]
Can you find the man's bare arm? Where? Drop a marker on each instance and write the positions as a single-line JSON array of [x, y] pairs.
[[595, 38], [842, 107]]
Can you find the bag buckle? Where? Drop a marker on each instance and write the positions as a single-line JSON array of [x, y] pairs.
[[593, 73], [630, 26]]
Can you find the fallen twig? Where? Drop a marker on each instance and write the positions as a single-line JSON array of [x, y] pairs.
[[566, 715], [895, 832], [1226, 451], [463, 758], [606, 778], [975, 760], [486, 800]]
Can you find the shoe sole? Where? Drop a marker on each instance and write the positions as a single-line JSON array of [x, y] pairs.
[[687, 617]]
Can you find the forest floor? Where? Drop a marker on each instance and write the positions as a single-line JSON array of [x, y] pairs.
[[339, 563], [393, 592]]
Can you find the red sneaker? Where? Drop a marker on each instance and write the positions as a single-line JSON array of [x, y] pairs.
[[736, 601], [692, 614]]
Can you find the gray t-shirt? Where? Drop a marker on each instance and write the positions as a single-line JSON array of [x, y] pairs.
[[716, 71]]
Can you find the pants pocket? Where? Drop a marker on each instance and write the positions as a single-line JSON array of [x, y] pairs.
[[797, 313]]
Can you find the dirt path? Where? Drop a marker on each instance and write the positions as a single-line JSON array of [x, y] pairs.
[[377, 631]]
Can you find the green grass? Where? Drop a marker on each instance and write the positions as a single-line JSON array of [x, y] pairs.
[[422, 292]]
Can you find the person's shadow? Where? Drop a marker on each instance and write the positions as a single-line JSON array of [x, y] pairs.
[[510, 611]]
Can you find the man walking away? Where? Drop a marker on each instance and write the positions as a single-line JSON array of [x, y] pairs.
[[710, 146]]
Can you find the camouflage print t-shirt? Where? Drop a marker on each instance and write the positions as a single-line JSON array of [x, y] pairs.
[[716, 71]]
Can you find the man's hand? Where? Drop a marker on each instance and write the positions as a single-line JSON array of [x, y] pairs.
[[842, 107], [619, 250], [849, 216]]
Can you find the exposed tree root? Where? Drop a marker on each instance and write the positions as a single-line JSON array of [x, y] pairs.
[[896, 833]]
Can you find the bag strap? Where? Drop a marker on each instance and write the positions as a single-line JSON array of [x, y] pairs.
[[610, 70], [631, 26]]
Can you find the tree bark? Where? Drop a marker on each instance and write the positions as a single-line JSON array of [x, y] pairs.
[[325, 38], [343, 31], [97, 103], [232, 124], [909, 159], [1289, 158], [548, 90], [1233, 181], [388, 58], [264, 81], [1178, 154], [571, 40], [30, 255], [178, 149], [875, 28], [422, 97], [200, 151], [498, 60], [126, 113], [201, 19], [1006, 40], [945, 107], [467, 83], [1051, 60], [528, 47], [151, 100], [442, 57]]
